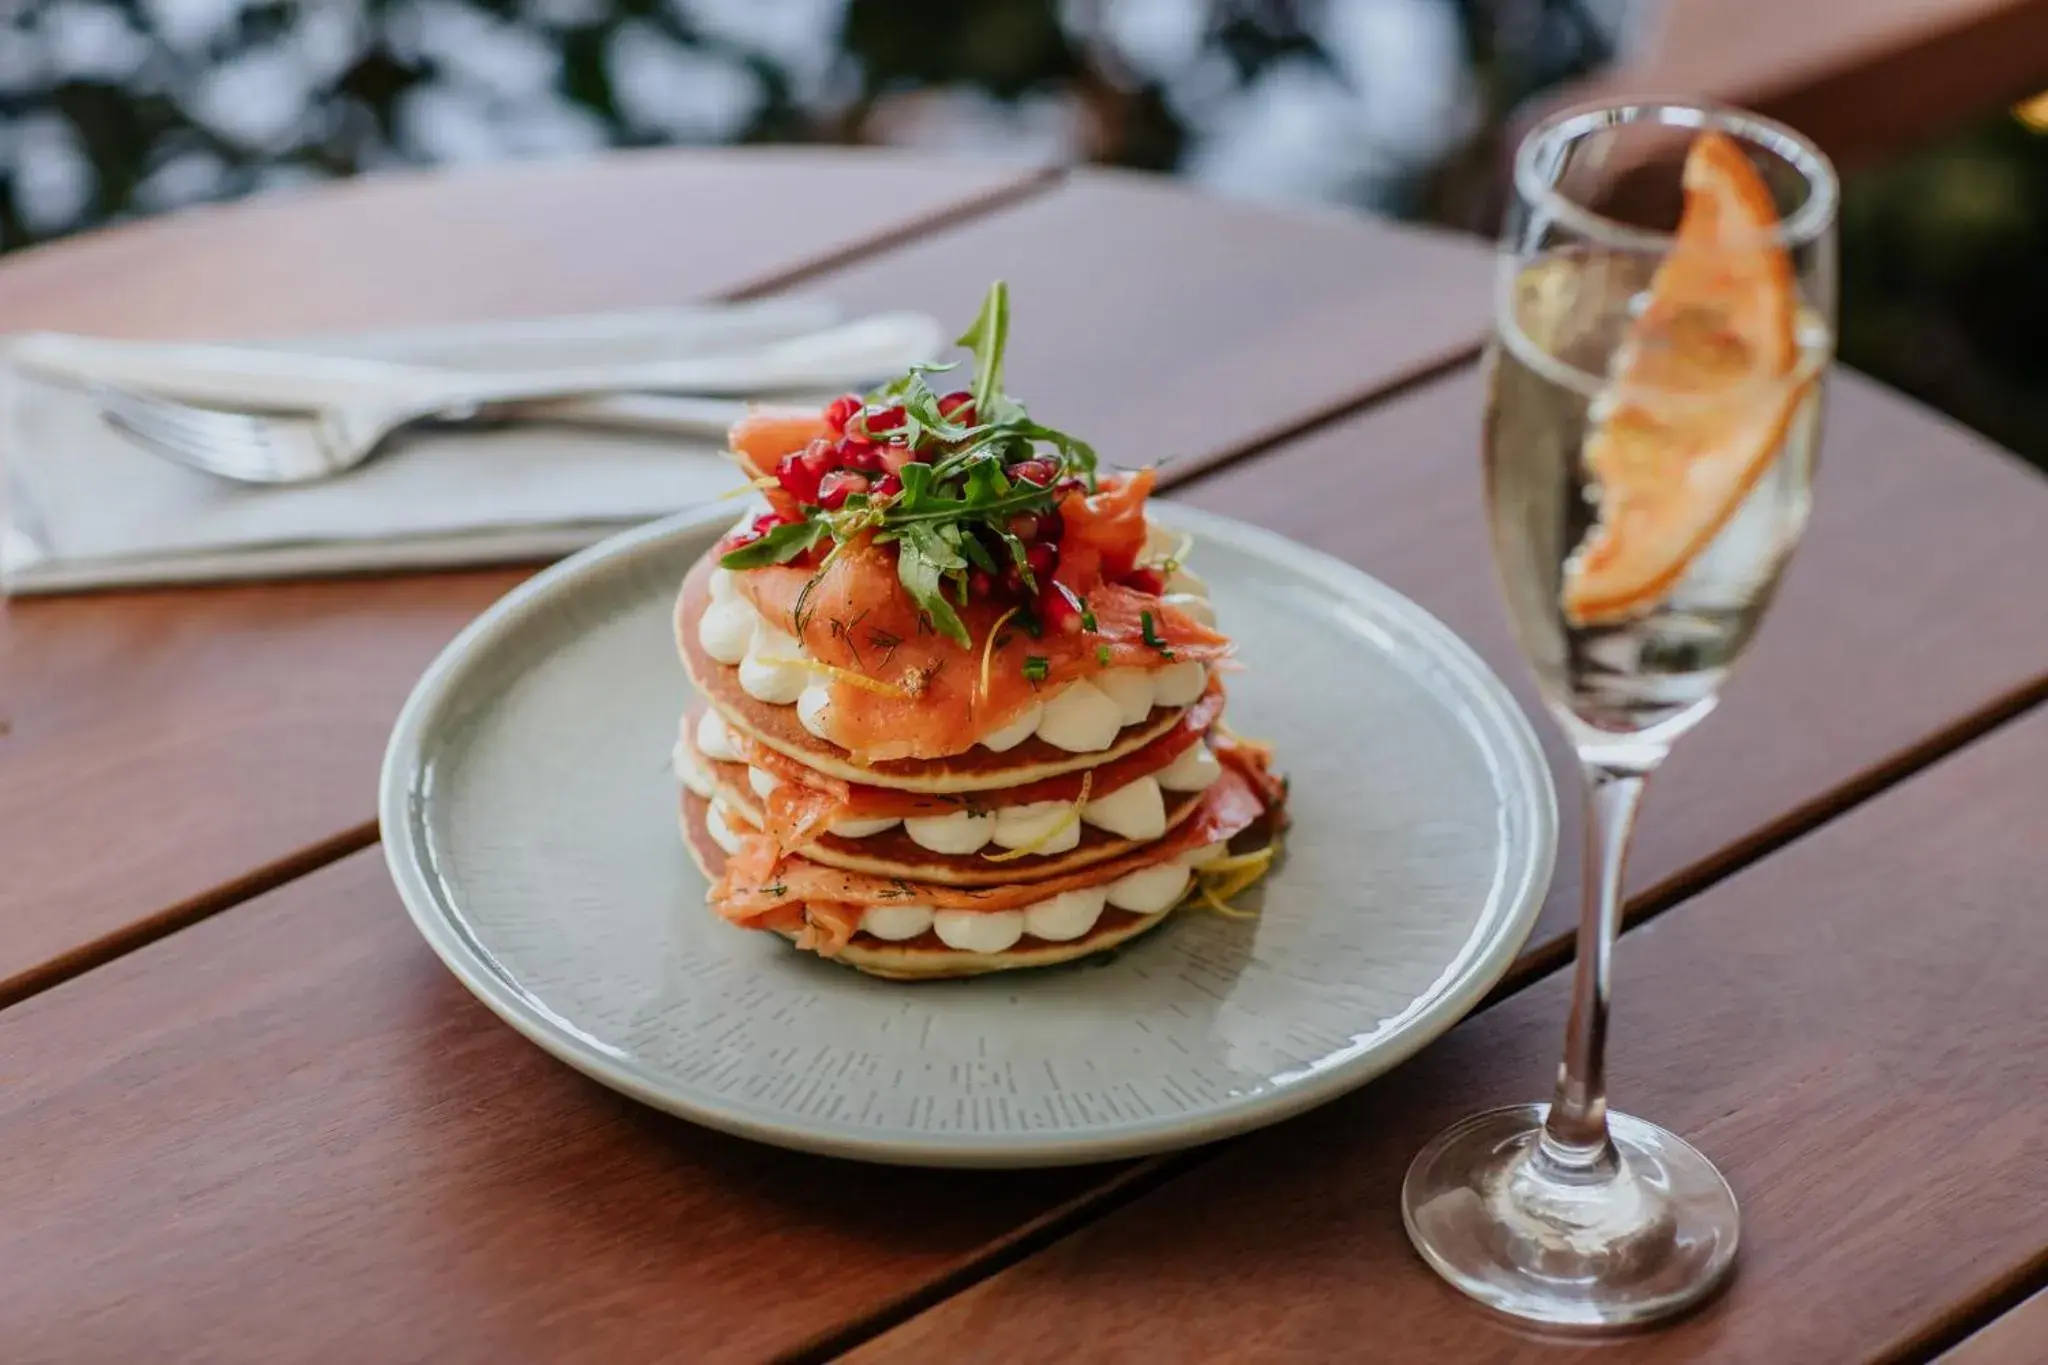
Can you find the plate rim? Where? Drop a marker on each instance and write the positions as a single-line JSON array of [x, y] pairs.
[[408, 861]]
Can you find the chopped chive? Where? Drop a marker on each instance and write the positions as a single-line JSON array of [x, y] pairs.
[[1036, 668], [1102, 656], [1151, 634]]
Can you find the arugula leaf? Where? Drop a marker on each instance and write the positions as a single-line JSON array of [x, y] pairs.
[[978, 555], [782, 544], [987, 338], [923, 559]]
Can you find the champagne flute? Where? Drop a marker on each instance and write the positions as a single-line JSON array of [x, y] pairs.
[[1664, 319]]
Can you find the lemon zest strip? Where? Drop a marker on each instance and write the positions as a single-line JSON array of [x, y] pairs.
[[1066, 822], [845, 675], [988, 647], [1218, 881]]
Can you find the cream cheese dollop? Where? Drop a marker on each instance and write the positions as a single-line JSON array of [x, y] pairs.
[[1180, 684], [895, 923], [1136, 810], [1023, 826], [721, 830], [714, 738], [1150, 890], [768, 672], [762, 781], [727, 628], [979, 931], [812, 706], [1130, 689], [1081, 719], [861, 829], [1065, 916], [1016, 732], [1194, 770], [689, 771], [957, 832]]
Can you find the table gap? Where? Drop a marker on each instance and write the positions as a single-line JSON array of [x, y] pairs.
[[1968, 1319], [1042, 180]]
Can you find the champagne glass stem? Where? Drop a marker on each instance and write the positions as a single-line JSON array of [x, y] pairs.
[[1575, 1145]]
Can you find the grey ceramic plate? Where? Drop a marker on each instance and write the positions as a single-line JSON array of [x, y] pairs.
[[530, 822]]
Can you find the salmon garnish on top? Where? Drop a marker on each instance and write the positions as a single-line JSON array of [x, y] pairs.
[[946, 561]]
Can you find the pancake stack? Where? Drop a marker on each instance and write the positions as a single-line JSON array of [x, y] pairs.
[[1015, 770]]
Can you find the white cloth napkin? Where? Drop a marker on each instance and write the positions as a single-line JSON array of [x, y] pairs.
[[84, 507]]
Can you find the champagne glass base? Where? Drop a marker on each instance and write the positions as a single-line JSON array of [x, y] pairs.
[[1651, 1236]]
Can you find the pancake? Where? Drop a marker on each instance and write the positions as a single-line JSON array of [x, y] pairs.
[[861, 800], [893, 853], [777, 727], [926, 958]]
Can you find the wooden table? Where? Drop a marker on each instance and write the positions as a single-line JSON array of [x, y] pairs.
[[249, 1117]]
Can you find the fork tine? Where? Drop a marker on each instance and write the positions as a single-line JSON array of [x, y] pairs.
[[232, 445]]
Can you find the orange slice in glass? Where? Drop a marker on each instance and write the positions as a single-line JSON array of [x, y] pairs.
[[1698, 405]]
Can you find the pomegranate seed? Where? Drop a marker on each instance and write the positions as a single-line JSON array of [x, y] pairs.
[[881, 420], [1042, 559], [811, 558], [958, 406], [892, 457], [821, 454], [1149, 581], [1024, 526], [841, 410], [1071, 486], [1011, 579], [979, 584], [798, 479], [1039, 472], [768, 521], [888, 486], [835, 488], [856, 453], [1058, 609], [1051, 525]]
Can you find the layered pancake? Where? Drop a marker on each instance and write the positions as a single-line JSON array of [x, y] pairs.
[[801, 803], [962, 705], [831, 910], [1019, 841], [925, 957]]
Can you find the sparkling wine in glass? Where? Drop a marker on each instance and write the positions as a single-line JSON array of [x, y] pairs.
[[1663, 324]]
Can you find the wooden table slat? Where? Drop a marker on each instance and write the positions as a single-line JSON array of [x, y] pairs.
[[287, 1132], [420, 248], [1851, 1028], [1912, 607]]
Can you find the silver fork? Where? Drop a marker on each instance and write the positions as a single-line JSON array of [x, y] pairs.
[[292, 448], [295, 448]]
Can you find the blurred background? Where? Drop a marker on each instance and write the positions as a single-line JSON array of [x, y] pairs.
[[111, 109]]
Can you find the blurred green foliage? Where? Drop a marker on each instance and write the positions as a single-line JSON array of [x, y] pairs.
[[1945, 279], [113, 108]]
